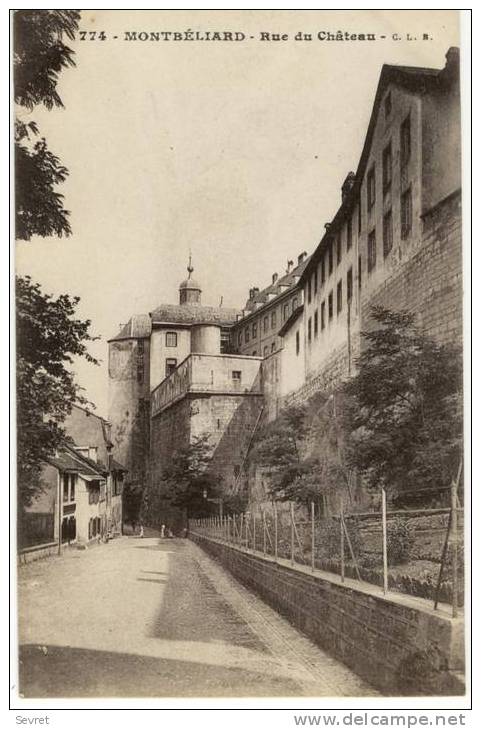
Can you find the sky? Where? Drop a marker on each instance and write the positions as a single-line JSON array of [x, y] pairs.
[[235, 151]]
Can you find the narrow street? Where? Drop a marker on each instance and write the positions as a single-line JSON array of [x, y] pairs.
[[151, 617]]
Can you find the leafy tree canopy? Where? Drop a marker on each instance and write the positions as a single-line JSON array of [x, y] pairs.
[[49, 336], [405, 412], [39, 56], [186, 478]]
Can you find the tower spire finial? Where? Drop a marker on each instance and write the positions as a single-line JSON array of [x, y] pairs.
[[190, 267]]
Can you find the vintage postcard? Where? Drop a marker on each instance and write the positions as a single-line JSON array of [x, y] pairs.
[[239, 339]]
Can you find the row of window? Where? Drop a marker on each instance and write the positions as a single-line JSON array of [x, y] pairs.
[[313, 321], [251, 332], [69, 481], [405, 155], [335, 245]]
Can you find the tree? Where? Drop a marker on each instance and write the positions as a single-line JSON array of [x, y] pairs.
[[405, 414], [186, 478], [48, 337], [39, 56]]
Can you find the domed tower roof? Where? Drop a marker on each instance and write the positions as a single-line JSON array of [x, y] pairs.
[[190, 290]]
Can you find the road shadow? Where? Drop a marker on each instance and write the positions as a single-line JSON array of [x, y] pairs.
[[66, 672]]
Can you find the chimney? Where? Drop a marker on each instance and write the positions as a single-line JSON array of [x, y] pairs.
[[327, 226], [301, 257], [347, 186], [290, 265], [275, 276], [451, 68], [253, 292]]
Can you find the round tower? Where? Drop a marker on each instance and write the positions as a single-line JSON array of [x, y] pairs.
[[189, 290]]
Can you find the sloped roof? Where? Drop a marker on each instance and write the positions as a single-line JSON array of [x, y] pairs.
[[138, 327], [291, 320], [68, 460], [413, 78], [193, 314], [289, 279]]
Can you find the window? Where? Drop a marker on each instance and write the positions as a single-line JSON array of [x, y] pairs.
[[371, 251], [338, 248], [240, 339], [69, 480], [294, 303], [323, 269], [273, 319], [387, 168], [236, 376], [323, 315], [315, 281], [308, 292], [170, 365], [339, 297], [330, 254], [405, 140], [273, 347], [254, 331], [359, 272], [349, 285], [371, 188], [298, 342], [406, 213], [387, 105], [102, 492], [309, 329], [286, 312], [266, 323], [349, 233], [65, 487], [387, 233], [171, 339], [265, 351], [247, 334], [316, 323], [254, 353], [330, 305], [359, 217]]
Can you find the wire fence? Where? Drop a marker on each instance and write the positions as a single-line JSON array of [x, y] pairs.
[[416, 551]]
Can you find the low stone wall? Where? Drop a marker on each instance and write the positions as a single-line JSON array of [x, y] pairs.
[[31, 554], [396, 642]]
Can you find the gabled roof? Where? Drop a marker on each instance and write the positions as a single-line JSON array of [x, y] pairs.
[[288, 280], [69, 460], [415, 79]]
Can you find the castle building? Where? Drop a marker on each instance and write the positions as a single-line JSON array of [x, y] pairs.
[[186, 369]]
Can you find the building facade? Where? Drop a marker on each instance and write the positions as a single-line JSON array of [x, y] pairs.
[[395, 240]]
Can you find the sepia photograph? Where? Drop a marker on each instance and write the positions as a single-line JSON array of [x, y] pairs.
[[240, 465]]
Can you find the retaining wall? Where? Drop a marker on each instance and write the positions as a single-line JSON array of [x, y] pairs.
[[396, 642]]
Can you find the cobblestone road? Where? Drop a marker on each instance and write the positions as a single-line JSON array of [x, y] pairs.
[[145, 617]]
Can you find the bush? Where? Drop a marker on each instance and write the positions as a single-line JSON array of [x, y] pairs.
[[400, 540]]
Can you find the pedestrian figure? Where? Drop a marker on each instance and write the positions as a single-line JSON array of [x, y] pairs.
[[141, 533], [162, 531]]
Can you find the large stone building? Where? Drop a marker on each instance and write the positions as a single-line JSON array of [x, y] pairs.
[[186, 369]]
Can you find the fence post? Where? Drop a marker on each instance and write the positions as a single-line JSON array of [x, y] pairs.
[[454, 510], [341, 520], [384, 542], [275, 530], [313, 539], [292, 533], [264, 545]]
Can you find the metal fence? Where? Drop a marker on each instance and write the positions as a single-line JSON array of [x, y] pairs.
[[374, 547]]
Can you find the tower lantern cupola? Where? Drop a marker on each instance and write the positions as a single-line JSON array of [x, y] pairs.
[[189, 290]]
